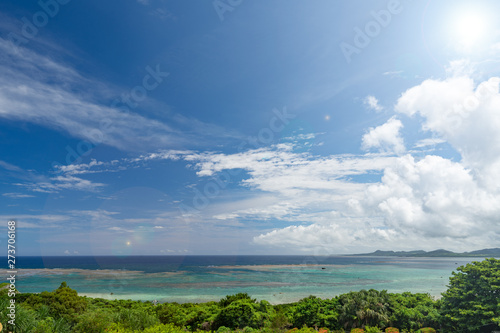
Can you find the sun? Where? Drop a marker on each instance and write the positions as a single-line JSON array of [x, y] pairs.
[[469, 28]]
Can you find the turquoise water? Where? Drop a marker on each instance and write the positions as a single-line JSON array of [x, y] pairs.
[[278, 279]]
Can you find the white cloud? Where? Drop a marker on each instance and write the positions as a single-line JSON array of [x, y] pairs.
[[428, 203], [428, 142], [372, 103], [337, 204], [393, 73], [342, 236], [465, 116], [460, 67], [18, 195], [10, 167], [434, 197], [37, 89], [37, 221], [385, 137], [65, 180], [61, 182], [288, 186]]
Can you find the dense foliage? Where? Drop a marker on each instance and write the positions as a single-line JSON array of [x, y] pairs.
[[473, 297], [470, 304]]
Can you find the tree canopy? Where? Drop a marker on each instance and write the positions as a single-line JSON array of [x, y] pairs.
[[473, 296], [471, 303]]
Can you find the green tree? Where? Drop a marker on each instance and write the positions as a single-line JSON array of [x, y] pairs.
[[231, 298], [63, 302], [315, 312], [136, 319], [171, 313], [244, 312], [473, 296], [93, 321], [364, 308], [413, 311]]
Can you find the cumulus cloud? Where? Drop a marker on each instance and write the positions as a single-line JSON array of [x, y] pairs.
[[434, 197], [351, 203], [431, 202], [385, 138], [339, 237], [464, 115]]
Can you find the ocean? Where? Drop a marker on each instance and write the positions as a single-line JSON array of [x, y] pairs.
[[277, 279]]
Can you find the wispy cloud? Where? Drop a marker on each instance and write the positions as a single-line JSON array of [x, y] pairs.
[[18, 195], [65, 180], [10, 167], [428, 142], [163, 14], [37, 89], [393, 73]]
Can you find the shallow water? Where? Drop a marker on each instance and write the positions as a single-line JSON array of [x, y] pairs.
[[277, 279]]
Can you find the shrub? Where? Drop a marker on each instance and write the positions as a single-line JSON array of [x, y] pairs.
[[426, 330], [279, 322], [372, 329], [93, 321], [135, 319], [391, 330], [45, 326], [223, 329], [159, 328], [357, 330], [171, 313], [26, 320]]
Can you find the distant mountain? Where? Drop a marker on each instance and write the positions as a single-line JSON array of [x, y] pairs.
[[436, 253]]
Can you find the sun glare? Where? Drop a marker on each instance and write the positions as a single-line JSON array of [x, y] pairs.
[[470, 28]]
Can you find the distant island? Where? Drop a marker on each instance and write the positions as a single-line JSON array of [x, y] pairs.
[[495, 252]]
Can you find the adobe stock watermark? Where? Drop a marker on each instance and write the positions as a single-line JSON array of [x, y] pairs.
[[31, 26], [223, 6], [11, 264], [461, 111], [212, 189], [363, 36], [125, 103]]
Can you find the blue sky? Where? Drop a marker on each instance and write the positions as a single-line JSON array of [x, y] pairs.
[[162, 127]]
